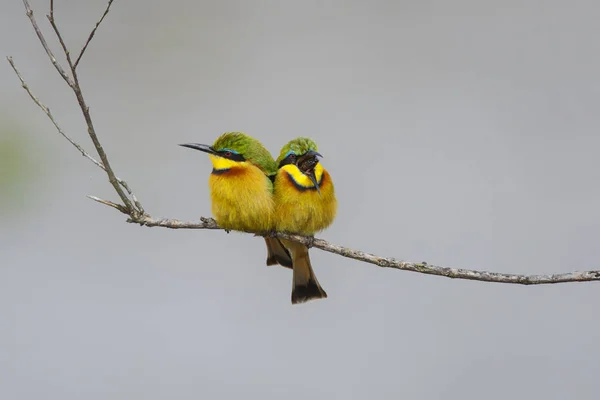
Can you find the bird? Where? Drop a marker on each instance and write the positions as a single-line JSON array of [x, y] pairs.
[[241, 189], [305, 203]]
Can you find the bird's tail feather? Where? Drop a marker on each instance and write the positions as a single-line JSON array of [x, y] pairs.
[[277, 253], [305, 285]]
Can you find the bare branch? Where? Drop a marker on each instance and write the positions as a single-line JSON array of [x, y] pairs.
[[92, 33], [456, 273], [386, 262], [40, 36]]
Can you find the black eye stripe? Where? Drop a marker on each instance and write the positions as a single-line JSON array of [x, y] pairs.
[[230, 155], [290, 159]]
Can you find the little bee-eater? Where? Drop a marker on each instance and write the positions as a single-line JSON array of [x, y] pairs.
[[305, 204], [241, 188]]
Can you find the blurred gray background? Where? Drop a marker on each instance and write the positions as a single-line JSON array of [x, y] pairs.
[[461, 133]]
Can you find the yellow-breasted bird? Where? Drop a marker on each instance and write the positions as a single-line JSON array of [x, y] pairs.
[[241, 188], [305, 204]]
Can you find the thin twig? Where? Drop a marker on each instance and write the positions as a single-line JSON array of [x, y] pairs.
[[93, 33], [58, 35], [40, 36], [49, 114], [110, 204]]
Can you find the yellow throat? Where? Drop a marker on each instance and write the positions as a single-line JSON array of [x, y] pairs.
[[221, 163], [300, 179]]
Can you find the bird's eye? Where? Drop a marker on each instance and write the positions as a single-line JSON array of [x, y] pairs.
[[227, 154], [292, 156]]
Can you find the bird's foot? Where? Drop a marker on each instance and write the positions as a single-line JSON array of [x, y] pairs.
[[210, 223], [265, 234], [310, 241]]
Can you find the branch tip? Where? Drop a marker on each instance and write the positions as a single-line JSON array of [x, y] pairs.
[[110, 204], [91, 36]]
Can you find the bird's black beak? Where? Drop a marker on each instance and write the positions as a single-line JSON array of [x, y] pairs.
[[313, 153], [202, 147], [313, 179], [307, 164]]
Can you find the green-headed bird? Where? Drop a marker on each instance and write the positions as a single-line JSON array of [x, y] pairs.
[[305, 204], [241, 188]]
